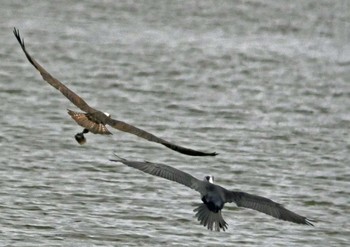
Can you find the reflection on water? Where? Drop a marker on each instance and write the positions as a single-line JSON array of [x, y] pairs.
[[263, 83]]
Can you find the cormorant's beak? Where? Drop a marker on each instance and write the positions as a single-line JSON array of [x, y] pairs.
[[80, 138]]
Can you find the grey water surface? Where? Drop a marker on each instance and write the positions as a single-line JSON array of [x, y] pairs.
[[266, 84]]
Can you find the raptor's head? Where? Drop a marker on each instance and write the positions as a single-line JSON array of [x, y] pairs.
[[209, 179]]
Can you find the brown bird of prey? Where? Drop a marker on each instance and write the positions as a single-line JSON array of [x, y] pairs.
[[95, 121], [214, 196]]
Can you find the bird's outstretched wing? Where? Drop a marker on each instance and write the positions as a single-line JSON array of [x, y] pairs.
[[166, 172], [98, 128], [266, 206], [83, 120], [69, 94], [120, 125]]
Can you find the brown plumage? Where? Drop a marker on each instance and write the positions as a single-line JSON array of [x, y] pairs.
[[94, 120], [92, 125]]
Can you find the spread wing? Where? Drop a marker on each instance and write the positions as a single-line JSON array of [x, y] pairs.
[[83, 120], [100, 128], [69, 94], [120, 125], [166, 172], [266, 206]]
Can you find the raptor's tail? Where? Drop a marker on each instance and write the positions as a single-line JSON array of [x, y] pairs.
[[208, 218]]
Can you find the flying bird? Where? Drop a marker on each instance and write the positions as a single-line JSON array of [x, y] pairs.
[[214, 196], [95, 121]]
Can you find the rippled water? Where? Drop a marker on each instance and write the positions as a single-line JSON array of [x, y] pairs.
[[264, 83]]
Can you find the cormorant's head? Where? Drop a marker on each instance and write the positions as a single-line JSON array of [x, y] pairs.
[[209, 179], [80, 138]]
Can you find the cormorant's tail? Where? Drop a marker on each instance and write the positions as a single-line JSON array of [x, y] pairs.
[[208, 218]]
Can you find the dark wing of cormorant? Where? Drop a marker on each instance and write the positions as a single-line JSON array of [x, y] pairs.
[[166, 172], [266, 206], [69, 94], [80, 103]]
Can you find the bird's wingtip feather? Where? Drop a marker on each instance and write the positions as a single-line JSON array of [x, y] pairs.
[[310, 222], [120, 159]]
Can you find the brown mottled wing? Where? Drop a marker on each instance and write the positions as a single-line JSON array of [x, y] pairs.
[[80, 103], [83, 120], [166, 172], [266, 206], [69, 94], [150, 137]]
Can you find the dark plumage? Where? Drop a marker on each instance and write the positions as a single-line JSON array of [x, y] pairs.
[[214, 196], [94, 120]]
